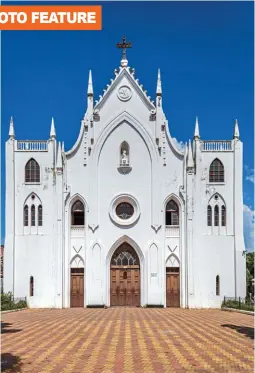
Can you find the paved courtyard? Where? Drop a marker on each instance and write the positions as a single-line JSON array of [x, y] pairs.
[[127, 340]]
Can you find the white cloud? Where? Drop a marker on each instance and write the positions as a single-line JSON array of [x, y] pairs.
[[248, 222], [179, 144], [249, 174]]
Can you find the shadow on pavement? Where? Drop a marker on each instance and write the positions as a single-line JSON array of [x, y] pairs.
[[5, 328], [245, 330], [10, 363]]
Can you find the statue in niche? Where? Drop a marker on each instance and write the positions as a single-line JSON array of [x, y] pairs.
[[124, 156]]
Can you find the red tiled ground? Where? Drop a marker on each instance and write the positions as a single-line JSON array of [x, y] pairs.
[[128, 340]]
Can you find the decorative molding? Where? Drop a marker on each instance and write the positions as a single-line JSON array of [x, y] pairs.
[[77, 251], [124, 169], [156, 227], [93, 227], [172, 250], [124, 93]]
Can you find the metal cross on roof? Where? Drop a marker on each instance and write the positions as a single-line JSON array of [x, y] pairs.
[[124, 45]]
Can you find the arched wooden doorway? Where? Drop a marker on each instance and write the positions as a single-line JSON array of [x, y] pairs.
[[125, 277], [172, 282], [77, 282]]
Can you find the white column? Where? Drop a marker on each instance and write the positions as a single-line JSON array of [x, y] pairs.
[[9, 247]]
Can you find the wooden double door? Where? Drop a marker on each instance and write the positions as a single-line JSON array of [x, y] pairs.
[[77, 287], [125, 285], [172, 287]]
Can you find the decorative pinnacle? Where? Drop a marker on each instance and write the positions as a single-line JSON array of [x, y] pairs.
[[90, 85], [11, 129], [196, 133], [190, 163], [236, 130], [52, 129], [59, 158], [159, 88], [124, 45]]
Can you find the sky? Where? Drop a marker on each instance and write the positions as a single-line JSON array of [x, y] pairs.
[[205, 53]]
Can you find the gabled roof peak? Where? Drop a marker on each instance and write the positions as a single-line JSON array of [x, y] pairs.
[[130, 74]]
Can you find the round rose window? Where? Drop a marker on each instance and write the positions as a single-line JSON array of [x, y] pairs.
[[124, 210]]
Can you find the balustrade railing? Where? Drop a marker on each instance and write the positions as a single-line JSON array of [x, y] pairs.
[[77, 231], [32, 146], [172, 231], [217, 146]]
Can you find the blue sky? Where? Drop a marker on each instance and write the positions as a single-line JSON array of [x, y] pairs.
[[204, 50]]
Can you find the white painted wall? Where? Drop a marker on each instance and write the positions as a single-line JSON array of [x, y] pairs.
[[89, 171]]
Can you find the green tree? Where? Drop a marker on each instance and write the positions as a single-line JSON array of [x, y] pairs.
[[249, 268]]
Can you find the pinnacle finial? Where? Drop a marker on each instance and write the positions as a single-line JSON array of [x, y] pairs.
[[236, 130], [90, 85], [52, 129], [196, 133], [11, 129], [59, 158], [159, 87], [190, 162]]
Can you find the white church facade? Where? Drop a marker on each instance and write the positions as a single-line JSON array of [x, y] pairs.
[[126, 217]]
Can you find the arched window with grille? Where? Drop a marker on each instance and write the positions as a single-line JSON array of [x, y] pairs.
[[31, 286], [209, 216], [216, 216], [77, 213], [25, 215], [40, 215], [32, 171], [216, 172], [217, 285], [223, 216], [33, 215], [172, 213]]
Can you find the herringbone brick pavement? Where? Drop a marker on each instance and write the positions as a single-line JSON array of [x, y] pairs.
[[127, 340]]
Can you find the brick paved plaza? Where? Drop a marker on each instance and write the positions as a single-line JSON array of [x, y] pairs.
[[127, 340]]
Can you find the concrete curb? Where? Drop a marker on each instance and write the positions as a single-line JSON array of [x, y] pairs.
[[18, 309], [237, 310]]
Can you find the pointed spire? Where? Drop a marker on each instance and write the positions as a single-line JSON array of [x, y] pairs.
[[59, 157], [159, 88], [52, 129], [190, 162], [236, 130], [196, 133], [90, 85], [63, 147], [11, 129]]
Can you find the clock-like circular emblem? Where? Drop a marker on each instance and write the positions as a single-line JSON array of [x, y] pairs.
[[124, 93]]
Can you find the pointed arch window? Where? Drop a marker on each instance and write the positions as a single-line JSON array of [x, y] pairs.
[[209, 216], [216, 172], [40, 217], [33, 215], [32, 171], [223, 216], [217, 285], [172, 213], [77, 213], [25, 217], [216, 216], [31, 286]]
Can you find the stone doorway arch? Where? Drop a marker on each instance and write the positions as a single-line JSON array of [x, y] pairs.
[[125, 277]]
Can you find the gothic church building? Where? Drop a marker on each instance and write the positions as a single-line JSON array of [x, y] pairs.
[[126, 217]]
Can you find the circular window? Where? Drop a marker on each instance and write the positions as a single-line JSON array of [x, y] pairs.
[[124, 210]]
